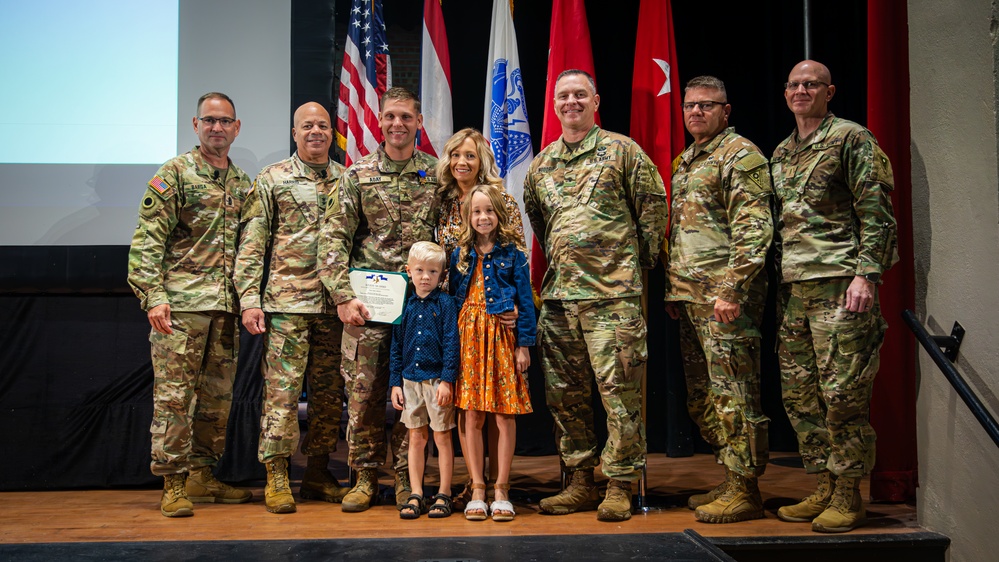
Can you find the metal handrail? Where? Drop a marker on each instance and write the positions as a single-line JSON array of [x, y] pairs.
[[956, 380]]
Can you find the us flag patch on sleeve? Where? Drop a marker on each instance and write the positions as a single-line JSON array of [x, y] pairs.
[[159, 185]]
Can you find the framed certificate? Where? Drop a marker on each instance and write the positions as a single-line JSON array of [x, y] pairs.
[[382, 292]]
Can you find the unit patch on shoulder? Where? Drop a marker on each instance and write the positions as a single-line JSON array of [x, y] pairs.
[[676, 162], [750, 161], [333, 203]]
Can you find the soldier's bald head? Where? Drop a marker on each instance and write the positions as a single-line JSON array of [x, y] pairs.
[[310, 108], [809, 90], [313, 133], [819, 70]]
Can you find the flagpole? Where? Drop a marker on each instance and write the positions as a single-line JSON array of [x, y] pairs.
[[807, 23]]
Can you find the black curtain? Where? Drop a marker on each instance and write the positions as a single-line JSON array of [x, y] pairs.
[[76, 388]]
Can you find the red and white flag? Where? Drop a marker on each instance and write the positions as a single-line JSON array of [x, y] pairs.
[[366, 74], [656, 118], [435, 81], [569, 47]]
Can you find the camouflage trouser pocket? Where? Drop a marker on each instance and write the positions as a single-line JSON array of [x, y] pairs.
[[348, 361], [175, 343], [857, 358], [863, 336], [157, 427], [631, 341], [275, 345], [348, 346]]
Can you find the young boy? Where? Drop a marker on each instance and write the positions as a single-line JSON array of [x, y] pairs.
[[424, 366]]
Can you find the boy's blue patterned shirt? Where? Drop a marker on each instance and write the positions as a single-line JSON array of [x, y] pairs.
[[425, 345]]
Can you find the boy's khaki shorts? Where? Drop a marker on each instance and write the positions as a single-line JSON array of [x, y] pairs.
[[421, 406]]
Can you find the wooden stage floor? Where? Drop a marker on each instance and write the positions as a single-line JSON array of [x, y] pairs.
[[133, 515]]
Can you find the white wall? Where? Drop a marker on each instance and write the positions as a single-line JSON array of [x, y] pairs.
[[955, 196], [243, 49]]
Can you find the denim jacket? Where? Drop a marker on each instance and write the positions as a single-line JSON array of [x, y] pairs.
[[506, 280]]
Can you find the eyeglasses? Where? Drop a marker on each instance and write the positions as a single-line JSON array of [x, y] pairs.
[[704, 105], [809, 85], [210, 122]]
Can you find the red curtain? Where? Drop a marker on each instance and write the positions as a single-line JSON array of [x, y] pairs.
[[893, 407]]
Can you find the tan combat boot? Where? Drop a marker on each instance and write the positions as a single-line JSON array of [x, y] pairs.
[[810, 507], [617, 502], [739, 502], [846, 508], [203, 487], [580, 495], [319, 484], [277, 493], [402, 488], [362, 495], [174, 502], [697, 500]]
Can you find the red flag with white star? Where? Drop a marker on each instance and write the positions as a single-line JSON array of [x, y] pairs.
[[656, 118]]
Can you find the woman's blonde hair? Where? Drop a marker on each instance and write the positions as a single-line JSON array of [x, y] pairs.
[[505, 233], [488, 172]]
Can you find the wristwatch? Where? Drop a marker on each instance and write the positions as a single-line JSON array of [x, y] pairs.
[[873, 277]]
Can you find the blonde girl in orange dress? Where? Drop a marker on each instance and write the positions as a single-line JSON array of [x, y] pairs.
[[489, 275], [466, 161]]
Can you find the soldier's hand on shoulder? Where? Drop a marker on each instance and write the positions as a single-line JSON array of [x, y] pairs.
[[159, 318], [253, 319]]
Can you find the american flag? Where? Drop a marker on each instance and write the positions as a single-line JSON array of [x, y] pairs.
[[366, 74]]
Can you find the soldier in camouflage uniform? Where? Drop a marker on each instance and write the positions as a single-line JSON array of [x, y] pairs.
[[302, 341], [384, 203], [598, 206], [720, 232], [837, 236], [180, 266]]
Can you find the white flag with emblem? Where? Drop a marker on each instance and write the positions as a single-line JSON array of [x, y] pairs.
[[505, 121]]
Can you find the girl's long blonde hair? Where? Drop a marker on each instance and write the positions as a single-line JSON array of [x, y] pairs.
[[505, 234]]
